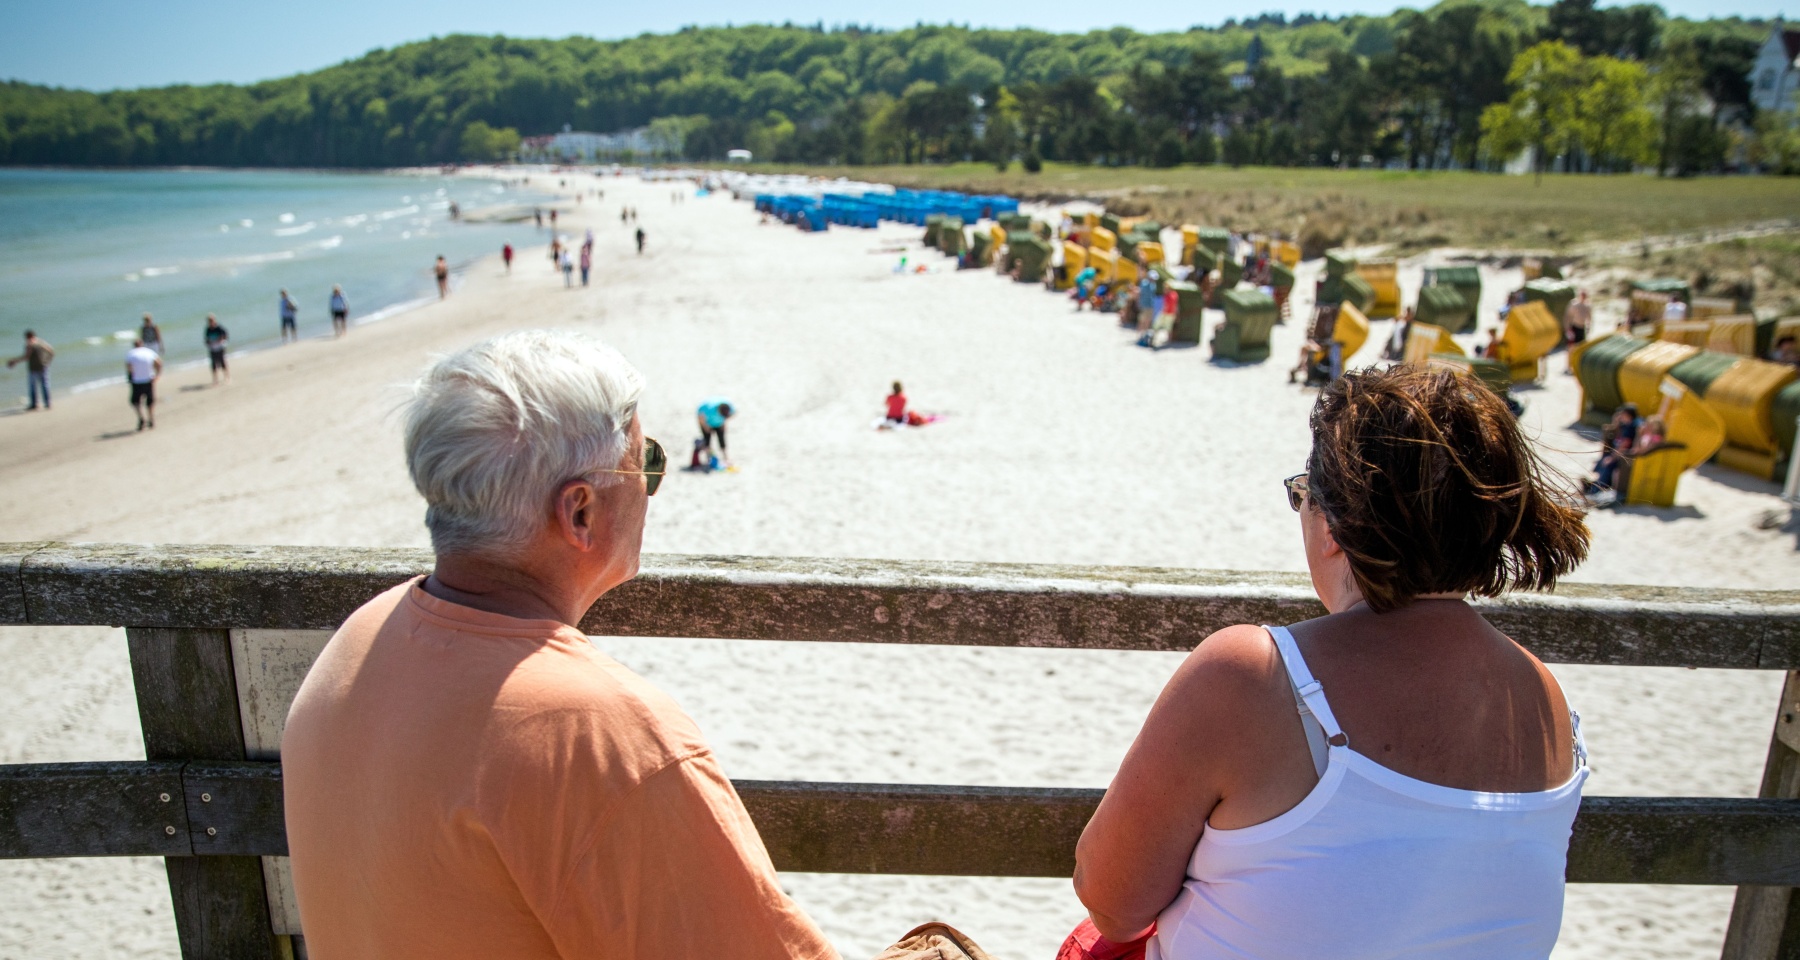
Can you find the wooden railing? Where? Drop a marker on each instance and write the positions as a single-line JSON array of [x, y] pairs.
[[218, 637]]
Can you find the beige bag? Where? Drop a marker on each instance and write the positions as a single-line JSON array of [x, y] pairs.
[[934, 941]]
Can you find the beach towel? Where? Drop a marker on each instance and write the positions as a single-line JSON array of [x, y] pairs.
[[934, 941], [1086, 943]]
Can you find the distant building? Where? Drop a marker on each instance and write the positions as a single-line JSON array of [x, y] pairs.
[[738, 156], [1252, 58], [1776, 74], [575, 146]]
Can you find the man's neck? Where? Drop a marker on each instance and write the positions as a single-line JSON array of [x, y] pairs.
[[484, 584]]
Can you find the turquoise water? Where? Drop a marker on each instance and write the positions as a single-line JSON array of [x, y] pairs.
[[84, 255]]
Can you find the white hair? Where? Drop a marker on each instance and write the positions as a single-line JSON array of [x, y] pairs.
[[493, 430]]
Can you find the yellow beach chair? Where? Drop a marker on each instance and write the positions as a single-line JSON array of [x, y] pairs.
[[1693, 432], [1423, 340], [1529, 336], [1733, 334]]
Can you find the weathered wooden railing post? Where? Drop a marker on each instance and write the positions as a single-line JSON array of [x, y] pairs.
[[187, 702], [1765, 921]]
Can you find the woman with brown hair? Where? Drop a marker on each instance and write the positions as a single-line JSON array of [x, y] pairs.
[[1396, 778]]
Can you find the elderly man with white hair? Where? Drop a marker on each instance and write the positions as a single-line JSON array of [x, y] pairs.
[[465, 774]]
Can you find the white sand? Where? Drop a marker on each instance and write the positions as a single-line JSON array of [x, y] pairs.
[[1064, 444]]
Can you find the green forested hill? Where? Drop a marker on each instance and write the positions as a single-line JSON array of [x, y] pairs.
[[1410, 85]]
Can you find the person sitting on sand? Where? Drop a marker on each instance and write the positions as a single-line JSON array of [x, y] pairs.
[[896, 404], [1787, 350], [1084, 285], [1617, 442], [713, 413], [1397, 777], [465, 773]]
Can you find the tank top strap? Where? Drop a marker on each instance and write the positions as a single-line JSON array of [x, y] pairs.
[[1311, 691]]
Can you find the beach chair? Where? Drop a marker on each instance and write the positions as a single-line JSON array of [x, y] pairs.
[[1493, 374], [1771, 329], [1530, 334], [1105, 264], [1281, 279], [1190, 314], [1691, 332], [1285, 253], [1383, 277], [1597, 363], [1339, 264], [1645, 309], [1190, 241], [1125, 269], [1424, 339], [1244, 337], [933, 223], [1347, 288], [981, 248], [1075, 260], [1692, 433], [1667, 288], [1732, 334], [1642, 373], [1152, 251], [1216, 239], [1351, 331], [1101, 238], [1444, 307], [1705, 308], [1030, 256], [1744, 397], [1466, 280], [950, 236], [1555, 294]]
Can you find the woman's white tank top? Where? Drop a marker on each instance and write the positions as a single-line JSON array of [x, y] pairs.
[[1374, 864]]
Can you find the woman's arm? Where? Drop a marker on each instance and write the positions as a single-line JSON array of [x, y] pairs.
[[1133, 855]]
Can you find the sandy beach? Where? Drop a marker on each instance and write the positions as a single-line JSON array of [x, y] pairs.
[[1061, 443]]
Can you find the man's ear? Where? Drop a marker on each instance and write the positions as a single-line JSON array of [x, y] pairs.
[[576, 505]]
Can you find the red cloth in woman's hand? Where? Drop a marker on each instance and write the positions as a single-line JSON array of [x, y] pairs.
[[1086, 943]]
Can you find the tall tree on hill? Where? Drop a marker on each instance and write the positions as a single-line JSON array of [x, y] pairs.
[[1543, 113]]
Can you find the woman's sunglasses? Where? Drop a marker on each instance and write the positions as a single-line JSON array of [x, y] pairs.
[[656, 464], [1296, 490]]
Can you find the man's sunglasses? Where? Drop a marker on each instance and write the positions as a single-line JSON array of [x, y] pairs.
[[656, 464], [1296, 490]]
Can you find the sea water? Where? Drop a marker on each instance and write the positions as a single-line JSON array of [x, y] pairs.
[[85, 254]]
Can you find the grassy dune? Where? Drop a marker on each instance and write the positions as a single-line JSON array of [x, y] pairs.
[[1411, 211]]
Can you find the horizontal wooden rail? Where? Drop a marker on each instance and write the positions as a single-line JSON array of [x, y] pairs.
[[874, 601], [235, 809]]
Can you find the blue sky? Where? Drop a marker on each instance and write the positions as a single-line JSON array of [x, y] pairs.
[[105, 44]]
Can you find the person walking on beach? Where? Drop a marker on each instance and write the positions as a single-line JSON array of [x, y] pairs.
[[37, 357], [216, 341], [441, 270], [1576, 319], [713, 413], [537, 213], [340, 312], [290, 323], [506, 254], [568, 269], [587, 261], [142, 367], [151, 334], [464, 773], [640, 240]]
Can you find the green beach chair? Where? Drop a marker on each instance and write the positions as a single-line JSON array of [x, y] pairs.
[[1249, 316]]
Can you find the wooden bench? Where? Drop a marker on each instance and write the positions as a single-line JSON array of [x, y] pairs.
[[220, 636]]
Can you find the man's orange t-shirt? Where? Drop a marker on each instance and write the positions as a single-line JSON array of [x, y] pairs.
[[466, 784]]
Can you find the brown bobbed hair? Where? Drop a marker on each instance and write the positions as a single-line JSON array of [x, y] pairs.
[[1429, 487]]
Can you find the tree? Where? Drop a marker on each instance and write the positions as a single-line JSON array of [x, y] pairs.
[[1543, 113], [482, 143], [1616, 126]]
